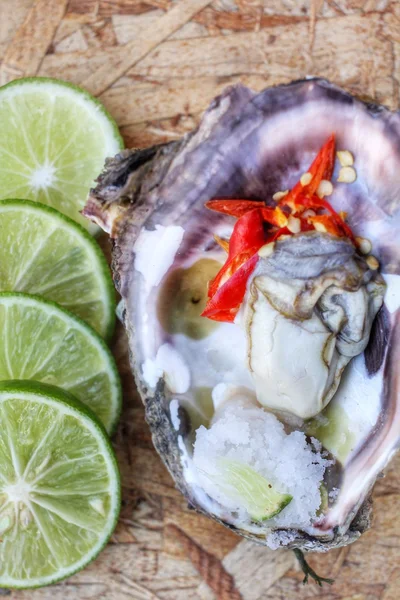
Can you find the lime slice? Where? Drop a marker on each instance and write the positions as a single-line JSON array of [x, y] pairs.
[[332, 428], [59, 485], [54, 139], [42, 341], [323, 507], [43, 252], [255, 493]]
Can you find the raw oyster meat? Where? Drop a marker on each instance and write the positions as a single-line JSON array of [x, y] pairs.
[[314, 293], [193, 374]]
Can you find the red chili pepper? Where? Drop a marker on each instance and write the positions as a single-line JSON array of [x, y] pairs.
[[234, 208], [230, 267], [250, 233], [227, 290], [321, 168], [225, 303], [274, 216], [247, 237], [328, 224], [339, 221], [223, 243], [272, 236], [304, 224], [238, 208], [317, 202]]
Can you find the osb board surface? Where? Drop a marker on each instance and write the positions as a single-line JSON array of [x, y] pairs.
[[156, 64]]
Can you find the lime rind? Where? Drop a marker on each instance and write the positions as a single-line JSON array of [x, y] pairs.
[[103, 324], [67, 407], [54, 139], [63, 323]]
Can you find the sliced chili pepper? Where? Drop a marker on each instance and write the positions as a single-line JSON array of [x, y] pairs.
[[238, 208], [340, 222], [225, 303], [228, 288], [223, 243], [248, 232], [274, 216], [317, 202], [328, 224], [229, 269], [225, 316], [304, 224], [234, 208], [321, 168], [274, 235]]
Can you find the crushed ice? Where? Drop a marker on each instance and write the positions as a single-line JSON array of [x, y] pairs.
[[258, 439]]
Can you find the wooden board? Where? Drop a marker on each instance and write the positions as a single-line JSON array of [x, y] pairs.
[[169, 59]]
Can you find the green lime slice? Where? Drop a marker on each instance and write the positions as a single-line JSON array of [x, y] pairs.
[[43, 252], [54, 139], [59, 485], [323, 507], [43, 342], [255, 493], [332, 429]]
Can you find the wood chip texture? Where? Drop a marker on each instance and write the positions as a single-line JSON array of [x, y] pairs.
[[156, 64]]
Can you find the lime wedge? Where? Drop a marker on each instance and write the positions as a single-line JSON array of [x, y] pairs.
[[323, 507], [54, 139], [255, 493], [59, 485], [334, 432], [43, 252], [43, 342]]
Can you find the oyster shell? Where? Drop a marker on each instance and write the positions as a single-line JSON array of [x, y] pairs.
[[252, 145]]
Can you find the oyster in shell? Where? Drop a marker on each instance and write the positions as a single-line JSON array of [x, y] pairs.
[[193, 374]]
